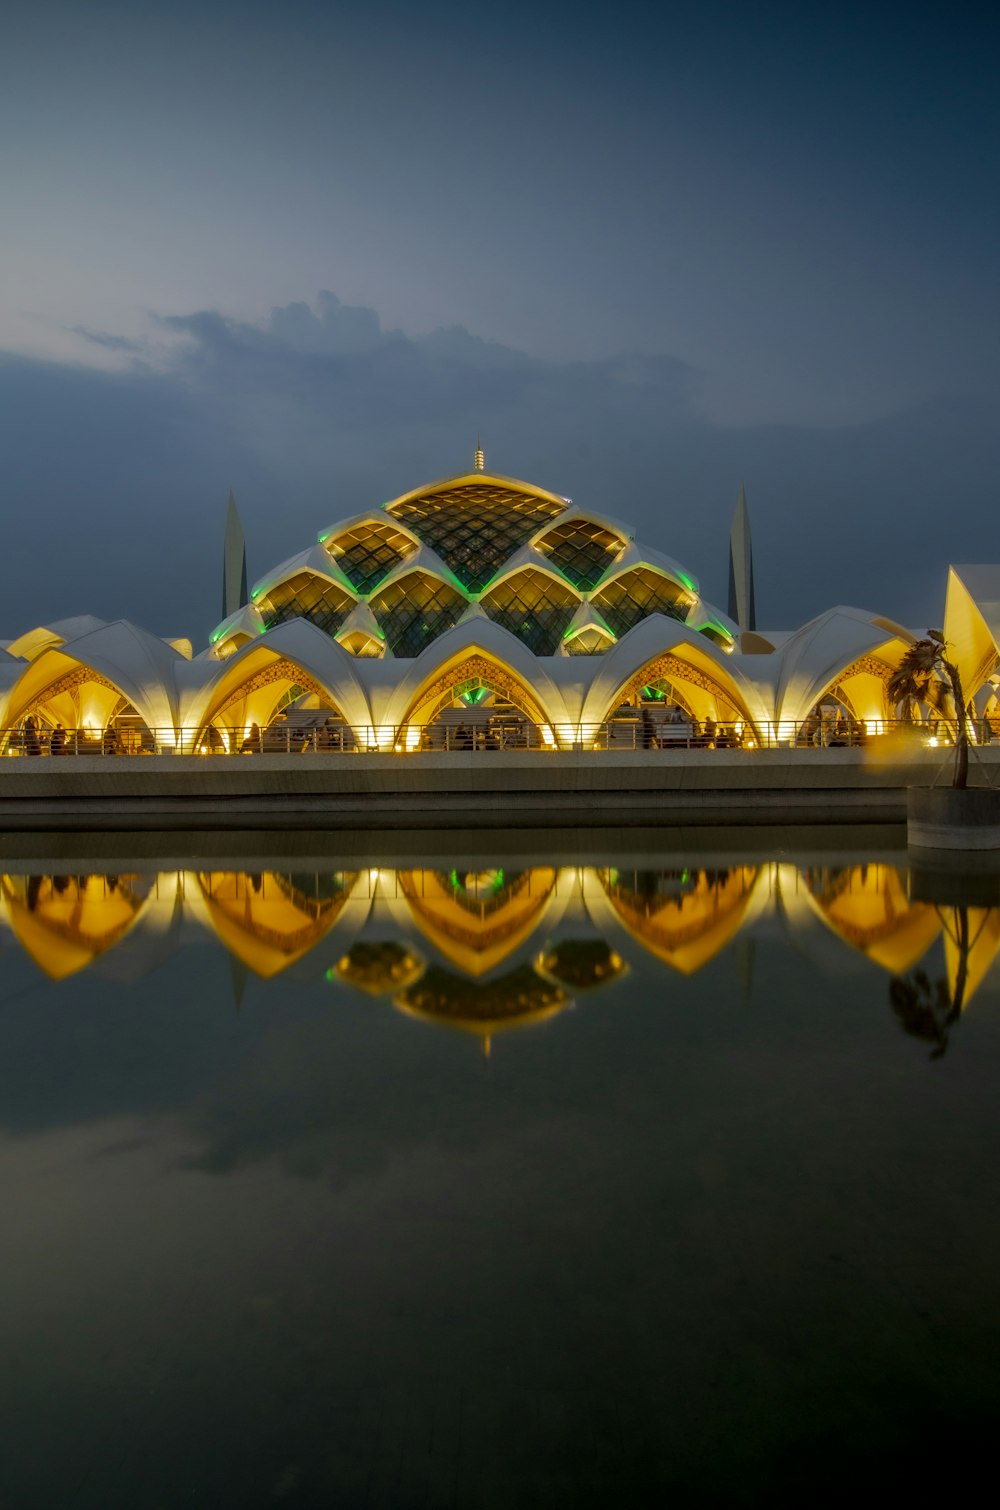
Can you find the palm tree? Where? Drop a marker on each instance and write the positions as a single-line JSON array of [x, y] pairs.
[[923, 663]]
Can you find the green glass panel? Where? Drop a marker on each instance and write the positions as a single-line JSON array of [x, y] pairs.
[[583, 551], [535, 608], [368, 553], [414, 611], [306, 597], [475, 529], [635, 595]]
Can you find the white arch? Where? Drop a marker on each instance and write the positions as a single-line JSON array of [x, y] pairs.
[[138, 664], [816, 655], [393, 699], [299, 641], [658, 636]]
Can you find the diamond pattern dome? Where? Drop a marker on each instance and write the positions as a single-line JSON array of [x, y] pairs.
[[391, 581]]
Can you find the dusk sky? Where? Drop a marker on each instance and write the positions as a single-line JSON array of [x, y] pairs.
[[647, 251]]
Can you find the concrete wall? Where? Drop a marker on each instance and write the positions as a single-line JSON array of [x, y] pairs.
[[218, 791]]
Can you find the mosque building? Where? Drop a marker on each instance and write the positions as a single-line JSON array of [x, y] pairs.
[[480, 612]]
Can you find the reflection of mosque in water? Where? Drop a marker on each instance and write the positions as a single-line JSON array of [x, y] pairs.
[[490, 949]]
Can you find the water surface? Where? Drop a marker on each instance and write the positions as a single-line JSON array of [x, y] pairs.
[[499, 1171]]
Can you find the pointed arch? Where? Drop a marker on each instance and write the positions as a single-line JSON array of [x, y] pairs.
[[56, 689], [256, 698], [861, 687], [443, 686], [704, 693]]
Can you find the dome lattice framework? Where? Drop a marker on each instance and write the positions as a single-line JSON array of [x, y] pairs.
[[562, 580]]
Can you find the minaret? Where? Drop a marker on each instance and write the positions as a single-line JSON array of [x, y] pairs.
[[234, 563], [742, 603], [480, 456]]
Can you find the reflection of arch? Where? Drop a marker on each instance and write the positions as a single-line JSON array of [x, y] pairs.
[[683, 917], [65, 922], [440, 692], [982, 931], [867, 906], [477, 921], [704, 694], [269, 921]]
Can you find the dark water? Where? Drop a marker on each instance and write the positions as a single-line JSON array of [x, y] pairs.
[[499, 1172]]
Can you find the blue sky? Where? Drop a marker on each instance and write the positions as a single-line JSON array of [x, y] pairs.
[[647, 250]]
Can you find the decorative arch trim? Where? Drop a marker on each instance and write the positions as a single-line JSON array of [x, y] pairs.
[[675, 669], [279, 670], [499, 676]]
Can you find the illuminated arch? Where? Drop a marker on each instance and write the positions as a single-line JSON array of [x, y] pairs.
[[444, 689], [377, 967], [862, 688], [259, 696], [305, 594], [56, 689], [475, 523], [703, 693]]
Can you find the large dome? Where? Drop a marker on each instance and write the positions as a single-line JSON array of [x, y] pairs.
[[563, 580]]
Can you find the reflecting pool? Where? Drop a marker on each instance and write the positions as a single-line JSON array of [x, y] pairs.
[[485, 1170]]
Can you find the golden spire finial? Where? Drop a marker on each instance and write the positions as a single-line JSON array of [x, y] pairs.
[[480, 456]]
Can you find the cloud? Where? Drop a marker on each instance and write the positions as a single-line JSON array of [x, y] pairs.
[[114, 484]]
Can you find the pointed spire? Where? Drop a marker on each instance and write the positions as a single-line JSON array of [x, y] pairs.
[[742, 598], [234, 562], [480, 456]]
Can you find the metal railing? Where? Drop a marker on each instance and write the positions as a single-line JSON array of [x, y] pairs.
[[482, 736]]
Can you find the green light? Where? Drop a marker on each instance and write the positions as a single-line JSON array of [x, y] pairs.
[[717, 628], [653, 694], [330, 974], [682, 576]]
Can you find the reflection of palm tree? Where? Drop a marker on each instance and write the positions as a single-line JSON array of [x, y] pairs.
[[927, 1008]]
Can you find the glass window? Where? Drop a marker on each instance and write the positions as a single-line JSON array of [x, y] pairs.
[[306, 596], [475, 528], [415, 610], [535, 607], [636, 594], [369, 552], [582, 550]]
